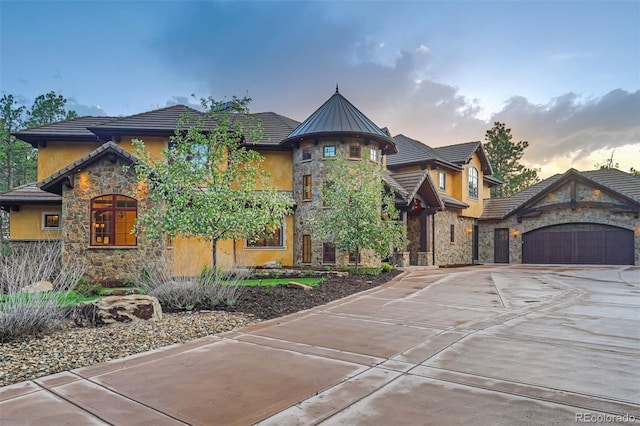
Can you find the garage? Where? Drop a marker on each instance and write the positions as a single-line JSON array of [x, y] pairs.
[[579, 243]]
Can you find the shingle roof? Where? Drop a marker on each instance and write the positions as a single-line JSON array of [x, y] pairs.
[[461, 153], [161, 121], [410, 151], [402, 193], [75, 129], [450, 201], [615, 180], [413, 181], [339, 116], [275, 127], [29, 193], [53, 182]]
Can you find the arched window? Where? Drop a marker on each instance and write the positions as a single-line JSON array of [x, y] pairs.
[[112, 220], [473, 182]]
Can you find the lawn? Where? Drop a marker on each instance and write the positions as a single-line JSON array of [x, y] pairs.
[[72, 298]]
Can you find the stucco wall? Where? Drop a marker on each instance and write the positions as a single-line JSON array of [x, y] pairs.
[[26, 223]]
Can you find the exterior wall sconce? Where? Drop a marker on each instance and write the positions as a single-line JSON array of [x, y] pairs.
[[515, 233], [469, 230]]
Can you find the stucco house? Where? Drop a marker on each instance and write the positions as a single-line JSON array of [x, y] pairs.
[[88, 200]]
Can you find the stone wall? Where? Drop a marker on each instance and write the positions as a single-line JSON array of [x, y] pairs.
[[460, 251], [112, 262], [557, 216], [307, 208]]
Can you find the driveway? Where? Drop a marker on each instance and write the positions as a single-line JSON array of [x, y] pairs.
[[485, 345]]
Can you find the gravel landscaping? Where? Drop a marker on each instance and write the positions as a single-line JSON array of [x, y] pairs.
[[75, 347]]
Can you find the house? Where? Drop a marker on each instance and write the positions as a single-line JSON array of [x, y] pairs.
[[87, 198], [588, 217]]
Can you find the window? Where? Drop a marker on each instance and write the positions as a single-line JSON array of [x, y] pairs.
[[307, 186], [306, 248], [473, 182], [306, 154], [328, 253], [355, 151], [442, 181], [329, 151], [270, 238], [452, 230], [50, 221], [373, 154], [352, 257], [196, 155], [112, 220]]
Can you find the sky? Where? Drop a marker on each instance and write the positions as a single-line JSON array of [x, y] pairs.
[[562, 75]]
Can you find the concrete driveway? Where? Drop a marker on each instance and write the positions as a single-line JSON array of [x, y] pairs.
[[486, 345]]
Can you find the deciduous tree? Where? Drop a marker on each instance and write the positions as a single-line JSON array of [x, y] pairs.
[[210, 184], [505, 155], [359, 212]]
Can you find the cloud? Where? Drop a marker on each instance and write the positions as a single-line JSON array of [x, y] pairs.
[[571, 126]]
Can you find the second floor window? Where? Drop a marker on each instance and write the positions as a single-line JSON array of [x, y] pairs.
[[473, 182], [373, 155], [307, 186], [442, 181], [306, 154], [354, 151], [329, 151], [269, 238]]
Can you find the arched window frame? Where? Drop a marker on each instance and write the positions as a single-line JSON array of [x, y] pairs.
[[112, 219], [473, 182]]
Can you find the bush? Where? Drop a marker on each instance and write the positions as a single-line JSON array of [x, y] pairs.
[[87, 289], [179, 291], [31, 313], [386, 267]]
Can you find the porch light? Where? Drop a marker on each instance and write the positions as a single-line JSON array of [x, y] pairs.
[[515, 233]]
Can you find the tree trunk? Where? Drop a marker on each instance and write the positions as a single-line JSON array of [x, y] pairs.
[[214, 253], [358, 261]]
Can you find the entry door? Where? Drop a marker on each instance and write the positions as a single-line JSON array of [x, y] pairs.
[[501, 245], [475, 243]]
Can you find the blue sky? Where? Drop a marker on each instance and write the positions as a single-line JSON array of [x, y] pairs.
[[564, 75]]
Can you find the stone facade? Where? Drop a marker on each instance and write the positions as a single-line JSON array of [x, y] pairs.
[[305, 208], [460, 250], [556, 212], [107, 262]]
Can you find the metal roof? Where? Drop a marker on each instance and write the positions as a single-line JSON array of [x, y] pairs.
[[617, 181], [338, 116]]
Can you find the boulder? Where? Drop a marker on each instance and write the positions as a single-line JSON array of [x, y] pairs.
[[38, 287], [271, 265], [118, 309], [293, 284], [122, 292]]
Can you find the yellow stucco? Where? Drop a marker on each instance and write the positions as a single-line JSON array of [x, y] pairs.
[[475, 204], [58, 155], [191, 255], [26, 224], [280, 165], [154, 144]]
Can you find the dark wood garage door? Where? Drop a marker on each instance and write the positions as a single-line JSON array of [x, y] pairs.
[[578, 243]]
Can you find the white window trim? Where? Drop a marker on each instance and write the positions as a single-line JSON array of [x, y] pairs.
[[442, 187], [43, 221]]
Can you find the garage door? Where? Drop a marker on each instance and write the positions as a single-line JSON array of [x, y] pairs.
[[578, 243]]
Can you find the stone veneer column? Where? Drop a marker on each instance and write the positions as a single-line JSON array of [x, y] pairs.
[[105, 263]]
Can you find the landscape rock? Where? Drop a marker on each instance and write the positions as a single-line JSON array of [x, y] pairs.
[[293, 284], [118, 309], [122, 292], [271, 265], [38, 287]]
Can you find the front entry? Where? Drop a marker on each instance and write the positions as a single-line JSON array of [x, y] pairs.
[[501, 245]]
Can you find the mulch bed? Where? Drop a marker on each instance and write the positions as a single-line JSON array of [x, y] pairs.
[[272, 302]]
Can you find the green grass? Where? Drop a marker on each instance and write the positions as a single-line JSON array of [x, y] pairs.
[[72, 298]]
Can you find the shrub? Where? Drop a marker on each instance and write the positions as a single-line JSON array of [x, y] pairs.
[[31, 313], [386, 267], [181, 291], [87, 289]]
